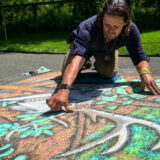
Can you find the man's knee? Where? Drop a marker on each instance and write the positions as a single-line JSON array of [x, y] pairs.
[[107, 68], [107, 74]]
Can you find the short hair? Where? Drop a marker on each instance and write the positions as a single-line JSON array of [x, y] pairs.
[[116, 8]]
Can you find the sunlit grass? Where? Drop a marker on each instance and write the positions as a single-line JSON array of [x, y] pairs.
[[56, 43], [151, 43], [37, 42]]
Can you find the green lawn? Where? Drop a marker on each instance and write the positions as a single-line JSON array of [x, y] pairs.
[[35, 42], [151, 43], [56, 42]]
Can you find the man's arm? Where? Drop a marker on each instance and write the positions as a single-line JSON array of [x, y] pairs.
[[60, 99], [147, 80]]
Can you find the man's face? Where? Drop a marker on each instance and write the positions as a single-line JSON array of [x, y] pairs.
[[112, 26]]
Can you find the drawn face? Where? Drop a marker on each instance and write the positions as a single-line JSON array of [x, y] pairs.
[[112, 26]]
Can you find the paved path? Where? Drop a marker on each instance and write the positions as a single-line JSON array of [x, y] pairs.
[[110, 121], [14, 64]]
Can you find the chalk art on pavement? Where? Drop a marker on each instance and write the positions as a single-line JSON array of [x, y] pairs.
[[110, 122]]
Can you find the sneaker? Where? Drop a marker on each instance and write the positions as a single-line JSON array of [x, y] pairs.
[[87, 65]]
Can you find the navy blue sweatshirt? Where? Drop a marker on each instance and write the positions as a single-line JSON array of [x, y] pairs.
[[88, 39]]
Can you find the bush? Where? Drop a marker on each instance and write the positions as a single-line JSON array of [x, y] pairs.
[[66, 16], [146, 13]]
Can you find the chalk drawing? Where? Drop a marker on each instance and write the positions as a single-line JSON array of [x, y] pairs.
[[111, 122]]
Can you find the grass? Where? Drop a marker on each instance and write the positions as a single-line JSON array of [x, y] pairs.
[[151, 43], [35, 42], [56, 43]]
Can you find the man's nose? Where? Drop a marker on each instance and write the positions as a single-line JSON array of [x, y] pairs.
[[111, 29]]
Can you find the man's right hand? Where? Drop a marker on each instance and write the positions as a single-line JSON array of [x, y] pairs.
[[58, 100], [61, 97]]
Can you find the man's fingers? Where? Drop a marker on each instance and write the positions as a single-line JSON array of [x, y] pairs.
[[51, 103], [58, 107], [156, 88], [48, 99], [150, 87], [68, 109], [148, 81]]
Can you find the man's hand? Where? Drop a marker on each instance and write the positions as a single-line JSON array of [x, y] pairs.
[[148, 81], [58, 100]]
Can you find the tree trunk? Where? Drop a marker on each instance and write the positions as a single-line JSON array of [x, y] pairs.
[[4, 23], [76, 5]]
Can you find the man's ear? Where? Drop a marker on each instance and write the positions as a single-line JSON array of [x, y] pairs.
[[126, 23]]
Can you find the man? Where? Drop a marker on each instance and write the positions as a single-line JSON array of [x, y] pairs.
[[100, 36]]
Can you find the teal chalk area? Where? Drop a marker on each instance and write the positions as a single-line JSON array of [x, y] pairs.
[[112, 107], [99, 134], [106, 99], [141, 141], [127, 102], [103, 158], [5, 104], [148, 113], [158, 100], [93, 78], [6, 127], [5, 147], [21, 157], [11, 150]]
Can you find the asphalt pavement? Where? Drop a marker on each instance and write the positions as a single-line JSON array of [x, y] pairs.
[[108, 118], [13, 65]]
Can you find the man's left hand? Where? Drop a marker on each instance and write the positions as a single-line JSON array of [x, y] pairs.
[[148, 81]]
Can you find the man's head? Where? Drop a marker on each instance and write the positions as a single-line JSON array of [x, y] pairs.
[[114, 19]]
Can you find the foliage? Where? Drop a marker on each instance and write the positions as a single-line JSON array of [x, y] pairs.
[[67, 14], [144, 12], [85, 9], [38, 17]]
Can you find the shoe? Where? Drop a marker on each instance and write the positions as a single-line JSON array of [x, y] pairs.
[[94, 66], [87, 65]]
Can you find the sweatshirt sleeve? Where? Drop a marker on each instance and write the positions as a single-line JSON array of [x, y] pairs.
[[134, 46], [81, 41]]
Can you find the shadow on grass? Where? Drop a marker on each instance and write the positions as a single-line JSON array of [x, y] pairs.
[[35, 37], [149, 30], [54, 42]]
